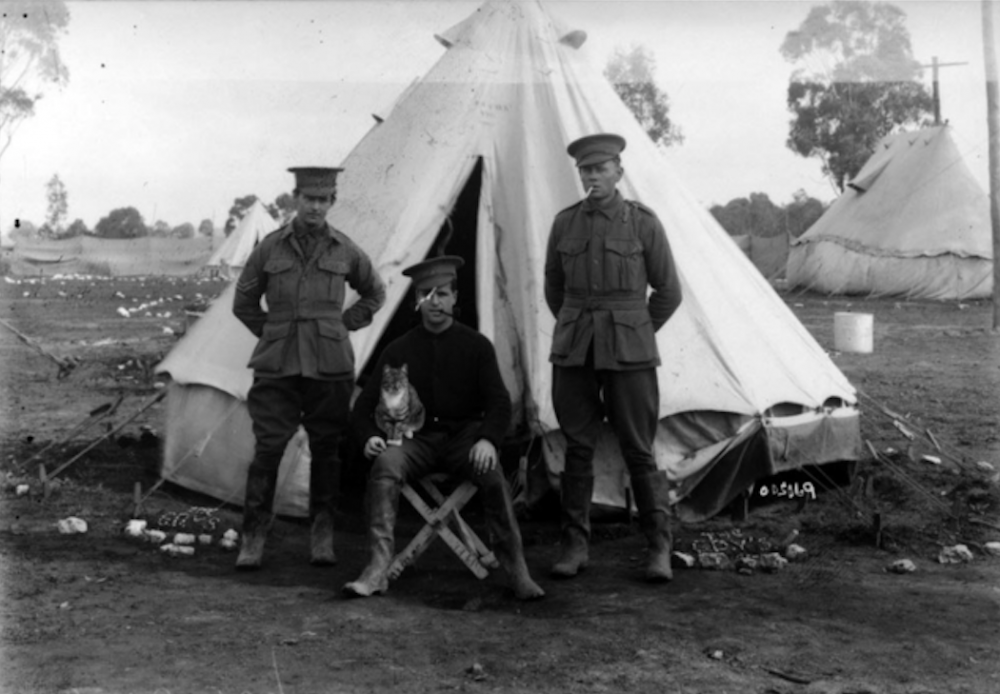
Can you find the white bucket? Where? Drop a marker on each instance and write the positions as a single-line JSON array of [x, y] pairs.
[[852, 332]]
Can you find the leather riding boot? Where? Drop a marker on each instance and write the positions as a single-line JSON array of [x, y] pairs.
[[502, 523], [383, 500], [652, 501], [324, 479], [256, 518], [575, 494], [321, 539]]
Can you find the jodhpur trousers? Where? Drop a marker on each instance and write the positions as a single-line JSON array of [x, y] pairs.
[[278, 406], [630, 400]]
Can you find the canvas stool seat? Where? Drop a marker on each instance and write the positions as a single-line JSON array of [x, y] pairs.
[[442, 516]]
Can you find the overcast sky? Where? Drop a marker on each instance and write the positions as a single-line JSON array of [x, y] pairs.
[[176, 108]]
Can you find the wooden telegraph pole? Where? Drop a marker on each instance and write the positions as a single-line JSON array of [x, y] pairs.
[[993, 124], [935, 66]]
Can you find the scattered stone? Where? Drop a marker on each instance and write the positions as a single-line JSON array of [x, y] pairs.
[[716, 654], [136, 528], [793, 552], [986, 467], [477, 672], [772, 562], [957, 554], [72, 526], [792, 535], [901, 566], [682, 560], [716, 561], [156, 536], [177, 550], [184, 539], [22, 489]]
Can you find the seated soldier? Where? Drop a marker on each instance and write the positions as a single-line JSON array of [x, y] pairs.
[[467, 410]]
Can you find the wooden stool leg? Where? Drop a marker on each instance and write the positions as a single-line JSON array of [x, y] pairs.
[[469, 536], [436, 523]]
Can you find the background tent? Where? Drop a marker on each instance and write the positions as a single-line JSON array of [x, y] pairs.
[[769, 254], [914, 222], [93, 255], [231, 256], [472, 161]]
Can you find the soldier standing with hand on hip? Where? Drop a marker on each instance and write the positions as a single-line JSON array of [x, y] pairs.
[[604, 254], [303, 364]]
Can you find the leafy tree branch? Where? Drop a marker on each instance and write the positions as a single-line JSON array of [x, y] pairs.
[[855, 82]]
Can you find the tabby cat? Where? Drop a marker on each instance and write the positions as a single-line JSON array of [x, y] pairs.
[[399, 411]]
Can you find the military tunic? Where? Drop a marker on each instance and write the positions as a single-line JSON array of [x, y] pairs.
[[303, 363], [305, 329], [600, 265]]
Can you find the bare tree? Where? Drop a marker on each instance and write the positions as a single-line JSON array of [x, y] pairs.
[[29, 59]]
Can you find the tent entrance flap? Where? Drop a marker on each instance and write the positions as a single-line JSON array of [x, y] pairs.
[[457, 236]]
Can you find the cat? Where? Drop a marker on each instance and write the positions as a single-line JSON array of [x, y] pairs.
[[399, 412]]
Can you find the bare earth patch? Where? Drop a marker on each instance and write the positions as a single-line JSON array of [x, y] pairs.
[[104, 613]]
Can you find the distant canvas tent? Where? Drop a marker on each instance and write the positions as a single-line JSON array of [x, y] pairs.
[[92, 255], [913, 223], [472, 161], [769, 254], [229, 259]]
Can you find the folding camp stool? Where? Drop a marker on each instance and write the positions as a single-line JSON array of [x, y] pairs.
[[463, 540]]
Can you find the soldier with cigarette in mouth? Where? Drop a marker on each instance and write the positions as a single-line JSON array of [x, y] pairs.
[[604, 255]]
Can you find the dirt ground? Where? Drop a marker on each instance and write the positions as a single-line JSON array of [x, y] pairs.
[[104, 613]]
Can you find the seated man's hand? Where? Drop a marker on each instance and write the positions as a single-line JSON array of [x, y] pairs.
[[483, 456], [374, 446]]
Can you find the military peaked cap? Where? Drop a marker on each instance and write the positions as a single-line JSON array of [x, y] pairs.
[[596, 149], [434, 271], [315, 180]]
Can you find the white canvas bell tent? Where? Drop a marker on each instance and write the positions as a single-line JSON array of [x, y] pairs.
[[228, 260], [914, 223], [472, 160]]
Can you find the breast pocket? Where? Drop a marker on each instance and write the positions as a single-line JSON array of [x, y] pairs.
[[573, 253], [331, 279], [280, 280], [624, 265]]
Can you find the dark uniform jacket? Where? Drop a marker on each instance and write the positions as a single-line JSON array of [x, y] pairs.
[[456, 376], [599, 265], [304, 330]]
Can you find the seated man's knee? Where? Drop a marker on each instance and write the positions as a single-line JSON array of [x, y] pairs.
[[493, 479], [389, 464]]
